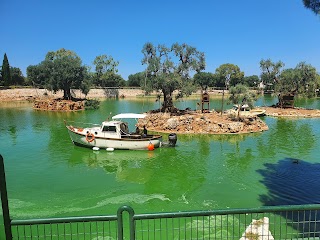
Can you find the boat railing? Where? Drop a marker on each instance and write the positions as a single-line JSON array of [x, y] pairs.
[[81, 124]]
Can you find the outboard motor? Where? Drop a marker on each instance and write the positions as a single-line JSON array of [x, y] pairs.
[[172, 139]]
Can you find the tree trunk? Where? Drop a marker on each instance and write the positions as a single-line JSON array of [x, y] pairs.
[[167, 104], [222, 102], [67, 93]]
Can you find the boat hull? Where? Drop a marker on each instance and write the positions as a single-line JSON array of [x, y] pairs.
[[123, 143]]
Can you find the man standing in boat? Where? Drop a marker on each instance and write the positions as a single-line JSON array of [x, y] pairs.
[[145, 131]]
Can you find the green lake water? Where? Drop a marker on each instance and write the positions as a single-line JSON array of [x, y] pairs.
[[47, 176]]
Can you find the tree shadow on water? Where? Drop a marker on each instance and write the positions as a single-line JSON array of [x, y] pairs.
[[294, 182]]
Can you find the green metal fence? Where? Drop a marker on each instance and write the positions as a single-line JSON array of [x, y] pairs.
[[277, 222]]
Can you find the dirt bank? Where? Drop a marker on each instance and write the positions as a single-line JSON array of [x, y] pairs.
[[30, 94], [292, 112]]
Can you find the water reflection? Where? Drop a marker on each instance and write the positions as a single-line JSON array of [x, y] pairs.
[[292, 137], [293, 182], [129, 166]]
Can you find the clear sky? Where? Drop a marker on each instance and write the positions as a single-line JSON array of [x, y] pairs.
[[240, 32]]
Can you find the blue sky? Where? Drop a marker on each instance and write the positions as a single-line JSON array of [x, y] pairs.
[[240, 32]]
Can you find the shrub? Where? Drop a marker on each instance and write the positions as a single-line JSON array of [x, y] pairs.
[[91, 104]]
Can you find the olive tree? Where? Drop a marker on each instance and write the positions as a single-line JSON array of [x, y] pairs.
[[240, 95], [136, 80], [17, 77], [204, 79], [60, 70], [169, 69], [251, 81], [228, 74], [299, 81], [270, 72], [105, 70]]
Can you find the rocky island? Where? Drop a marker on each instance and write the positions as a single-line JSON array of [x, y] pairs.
[[201, 123]]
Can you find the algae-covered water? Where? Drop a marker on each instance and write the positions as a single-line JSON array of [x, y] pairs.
[[47, 176]]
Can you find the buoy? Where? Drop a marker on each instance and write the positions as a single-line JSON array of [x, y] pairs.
[[110, 149], [95, 148], [151, 147]]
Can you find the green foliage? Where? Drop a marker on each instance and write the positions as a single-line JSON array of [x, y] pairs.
[[137, 79], [86, 83], [36, 75], [105, 69], [240, 95], [168, 69], [313, 5], [302, 80], [5, 72], [228, 75], [111, 80], [16, 76], [189, 59], [270, 71], [204, 79], [91, 104], [251, 81], [61, 70]]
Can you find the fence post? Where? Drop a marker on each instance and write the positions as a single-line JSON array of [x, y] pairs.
[[131, 222], [4, 201]]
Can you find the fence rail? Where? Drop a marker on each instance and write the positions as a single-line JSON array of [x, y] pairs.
[[276, 222]]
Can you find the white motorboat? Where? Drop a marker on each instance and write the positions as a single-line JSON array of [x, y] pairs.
[[114, 134], [245, 111]]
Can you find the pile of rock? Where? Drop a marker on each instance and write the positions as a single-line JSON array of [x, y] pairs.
[[58, 105], [202, 123]]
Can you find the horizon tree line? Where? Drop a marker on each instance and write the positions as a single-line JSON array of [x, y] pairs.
[[167, 69]]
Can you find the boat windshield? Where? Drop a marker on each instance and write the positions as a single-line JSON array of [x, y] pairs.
[[124, 128], [109, 129]]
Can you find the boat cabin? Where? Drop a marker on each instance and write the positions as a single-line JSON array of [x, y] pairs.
[[115, 128]]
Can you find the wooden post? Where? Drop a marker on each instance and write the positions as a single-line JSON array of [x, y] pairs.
[[4, 201]]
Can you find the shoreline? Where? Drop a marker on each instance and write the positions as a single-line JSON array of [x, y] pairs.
[[31, 94]]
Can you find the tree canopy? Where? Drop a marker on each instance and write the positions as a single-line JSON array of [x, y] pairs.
[[270, 72], [106, 72], [204, 79], [228, 75], [17, 77], [302, 80], [313, 5], [251, 81], [136, 80], [5, 71], [60, 70], [169, 69], [241, 95]]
